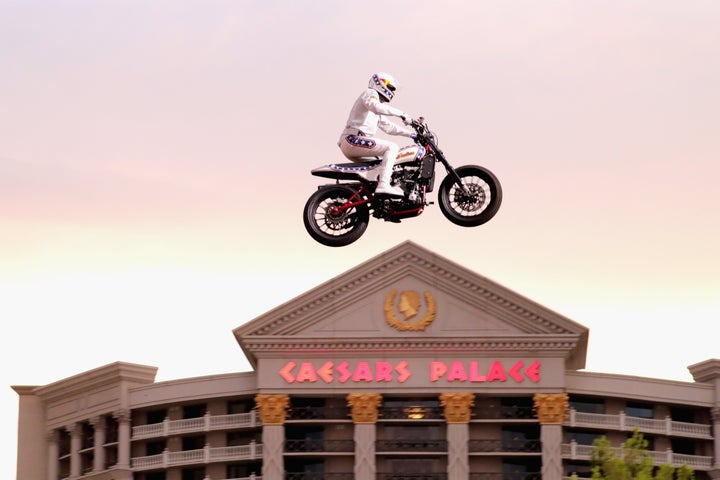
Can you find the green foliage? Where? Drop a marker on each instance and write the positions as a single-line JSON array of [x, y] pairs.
[[631, 462]]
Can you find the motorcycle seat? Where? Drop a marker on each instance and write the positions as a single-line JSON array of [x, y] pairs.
[[367, 160]]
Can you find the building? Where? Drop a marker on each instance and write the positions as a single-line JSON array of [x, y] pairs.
[[408, 366]]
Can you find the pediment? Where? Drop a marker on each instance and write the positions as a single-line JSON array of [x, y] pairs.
[[410, 297]]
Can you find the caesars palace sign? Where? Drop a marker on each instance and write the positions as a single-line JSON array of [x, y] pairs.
[[408, 308], [383, 371]]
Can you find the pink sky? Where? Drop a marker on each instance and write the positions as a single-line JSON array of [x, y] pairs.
[[155, 157]]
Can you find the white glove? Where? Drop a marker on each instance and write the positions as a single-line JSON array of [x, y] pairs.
[[407, 119]]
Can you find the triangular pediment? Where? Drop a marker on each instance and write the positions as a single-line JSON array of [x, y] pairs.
[[410, 297]]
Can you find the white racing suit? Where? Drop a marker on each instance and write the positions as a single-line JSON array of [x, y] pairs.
[[358, 139]]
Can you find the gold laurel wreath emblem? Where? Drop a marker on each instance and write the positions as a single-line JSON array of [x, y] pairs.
[[405, 325]]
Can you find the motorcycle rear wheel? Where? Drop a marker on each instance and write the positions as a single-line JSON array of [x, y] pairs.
[[330, 226], [478, 205]]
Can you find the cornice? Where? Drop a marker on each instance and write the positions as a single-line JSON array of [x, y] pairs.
[[537, 346]]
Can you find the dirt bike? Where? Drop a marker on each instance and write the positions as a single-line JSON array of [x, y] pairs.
[[338, 214]]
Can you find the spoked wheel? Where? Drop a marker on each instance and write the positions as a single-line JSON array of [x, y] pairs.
[[330, 221], [475, 204]]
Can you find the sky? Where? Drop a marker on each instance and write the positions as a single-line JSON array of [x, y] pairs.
[[155, 158]]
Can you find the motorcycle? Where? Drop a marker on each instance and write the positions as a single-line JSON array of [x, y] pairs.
[[338, 214]]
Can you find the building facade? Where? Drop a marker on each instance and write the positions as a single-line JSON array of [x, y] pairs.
[[408, 366]]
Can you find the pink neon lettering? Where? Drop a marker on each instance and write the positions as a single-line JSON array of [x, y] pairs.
[[383, 372], [456, 372], [403, 371], [326, 372], [437, 370], [285, 372], [306, 373], [345, 374], [514, 372], [475, 375], [362, 373], [533, 371]]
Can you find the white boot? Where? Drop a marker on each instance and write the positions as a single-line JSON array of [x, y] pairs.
[[383, 186]]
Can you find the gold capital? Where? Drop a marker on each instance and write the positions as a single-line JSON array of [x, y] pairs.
[[273, 408], [364, 406], [457, 406], [551, 408]]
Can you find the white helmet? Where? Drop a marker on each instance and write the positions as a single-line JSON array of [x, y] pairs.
[[385, 84]]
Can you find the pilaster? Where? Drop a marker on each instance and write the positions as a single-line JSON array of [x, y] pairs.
[[273, 413], [52, 438], [364, 410], [552, 409], [457, 409]]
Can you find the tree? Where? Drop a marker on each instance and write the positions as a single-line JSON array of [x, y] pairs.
[[632, 462]]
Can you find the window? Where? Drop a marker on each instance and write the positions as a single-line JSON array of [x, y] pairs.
[[238, 406], [640, 410], [587, 405], [156, 416], [155, 448], [582, 437], [195, 442], [680, 414], [193, 473], [155, 476], [194, 411]]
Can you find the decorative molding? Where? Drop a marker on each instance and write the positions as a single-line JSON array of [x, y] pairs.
[[457, 406], [364, 406], [551, 408], [122, 415], [456, 345], [455, 281], [273, 408], [409, 306]]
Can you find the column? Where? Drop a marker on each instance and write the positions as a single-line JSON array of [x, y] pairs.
[[364, 409], [457, 415], [123, 419], [552, 409], [75, 431], [53, 454], [273, 412], [98, 424]]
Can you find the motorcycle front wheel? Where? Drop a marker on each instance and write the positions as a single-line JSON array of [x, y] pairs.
[[329, 222], [475, 204]]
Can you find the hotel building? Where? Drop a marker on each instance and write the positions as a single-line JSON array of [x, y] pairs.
[[408, 366]]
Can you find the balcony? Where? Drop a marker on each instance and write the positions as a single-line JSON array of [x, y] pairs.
[[205, 423], [413, 413], [253, 451], [412, 476], [415, 445], [319, 476], [506, 476], [312, 445], [664, 426], [319, 413], [573, 451], [504, 412], [505, 446]]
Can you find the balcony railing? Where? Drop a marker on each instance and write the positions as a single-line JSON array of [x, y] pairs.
[[319, 445], [506, 412], [574, 451], [506, 476], [664, 426], [411, 445], [494, 446], [412, 476], [208, 454], [205, 423], [319, 476], [411, 413], [319, 413]]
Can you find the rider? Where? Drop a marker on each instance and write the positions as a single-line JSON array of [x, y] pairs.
[[358, 140]]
